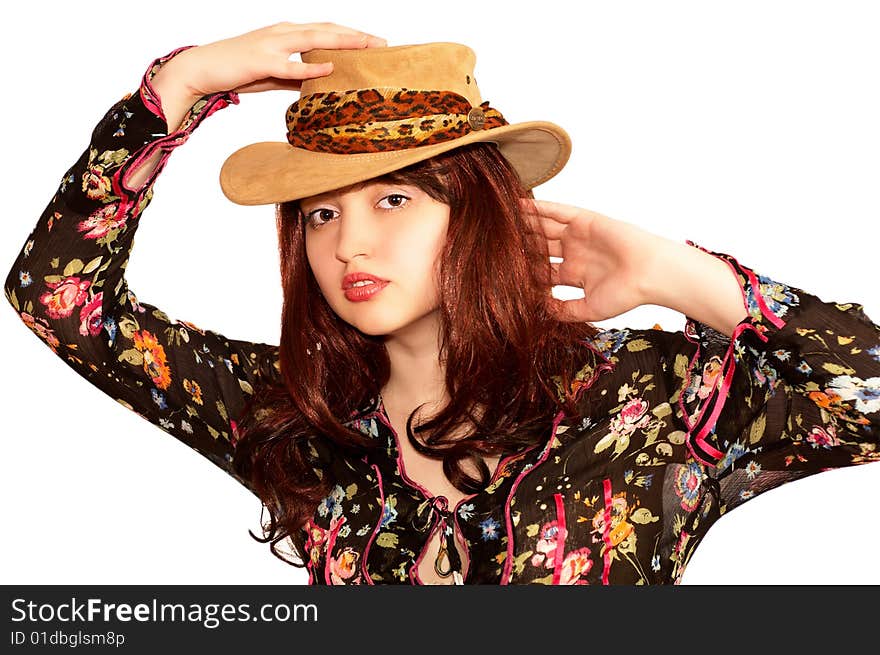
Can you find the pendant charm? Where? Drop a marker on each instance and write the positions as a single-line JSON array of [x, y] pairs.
[[442, 554]]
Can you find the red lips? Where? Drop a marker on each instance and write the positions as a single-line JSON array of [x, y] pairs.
[[349, 280]]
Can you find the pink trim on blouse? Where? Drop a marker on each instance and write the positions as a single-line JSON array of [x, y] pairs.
[[331, 541], [508, 560], [561, 534], [372, 538], [606, 533]]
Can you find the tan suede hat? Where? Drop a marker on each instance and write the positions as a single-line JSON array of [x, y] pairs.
[[382, 109]]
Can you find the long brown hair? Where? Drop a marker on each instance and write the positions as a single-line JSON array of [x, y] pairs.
[[501, 347]]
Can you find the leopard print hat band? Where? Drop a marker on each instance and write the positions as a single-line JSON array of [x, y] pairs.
[[377, 120], [380, 110]]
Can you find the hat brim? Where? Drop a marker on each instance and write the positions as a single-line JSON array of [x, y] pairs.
[[271, 172]]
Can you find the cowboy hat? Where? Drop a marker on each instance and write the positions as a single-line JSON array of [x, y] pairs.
[[379, 110]]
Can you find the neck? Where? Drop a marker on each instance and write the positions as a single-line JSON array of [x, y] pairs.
[[417, 375], [416, 378]]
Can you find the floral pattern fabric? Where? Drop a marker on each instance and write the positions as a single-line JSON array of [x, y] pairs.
[[674, 429]]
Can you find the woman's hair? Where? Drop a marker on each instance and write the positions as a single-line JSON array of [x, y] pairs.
[[500, 344]]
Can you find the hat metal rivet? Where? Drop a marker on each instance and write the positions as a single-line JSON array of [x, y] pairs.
[[476, 118]]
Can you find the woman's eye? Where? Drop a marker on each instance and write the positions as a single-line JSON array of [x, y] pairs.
[[322, 215], [396, 199]]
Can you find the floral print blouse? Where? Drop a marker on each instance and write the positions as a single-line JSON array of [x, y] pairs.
[[674, 429]]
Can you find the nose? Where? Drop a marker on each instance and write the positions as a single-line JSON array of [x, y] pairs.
[[356, 234]]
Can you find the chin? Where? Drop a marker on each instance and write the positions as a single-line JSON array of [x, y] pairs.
[[368, 326], [377, 320], [371, 330]]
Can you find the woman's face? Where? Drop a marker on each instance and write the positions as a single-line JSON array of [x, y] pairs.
[[392, 231]]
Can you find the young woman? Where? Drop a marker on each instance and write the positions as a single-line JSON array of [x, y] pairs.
[[446, 420]]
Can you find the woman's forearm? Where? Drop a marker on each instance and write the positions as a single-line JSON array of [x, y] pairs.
[[698, 285]]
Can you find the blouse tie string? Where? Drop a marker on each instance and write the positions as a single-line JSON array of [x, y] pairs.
[[434, 512]]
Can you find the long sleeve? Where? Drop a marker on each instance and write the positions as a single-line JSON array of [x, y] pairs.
[[68, 286], [794, 391], [712, 421]]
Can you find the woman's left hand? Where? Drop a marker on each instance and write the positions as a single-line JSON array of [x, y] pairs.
[[610, 260], [620, 266]]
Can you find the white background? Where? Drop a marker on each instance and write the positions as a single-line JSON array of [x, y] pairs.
[[749, 127]]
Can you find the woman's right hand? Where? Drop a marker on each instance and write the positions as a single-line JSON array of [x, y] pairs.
[[260, 60], [254, 61]]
